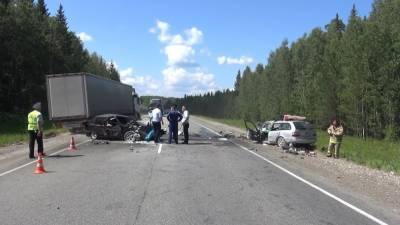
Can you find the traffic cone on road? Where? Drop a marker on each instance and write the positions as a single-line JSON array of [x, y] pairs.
[[39, 166], [72, 146]]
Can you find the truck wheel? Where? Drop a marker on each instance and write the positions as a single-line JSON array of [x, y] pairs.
[[93, 135], [281, 142], [129, 136]]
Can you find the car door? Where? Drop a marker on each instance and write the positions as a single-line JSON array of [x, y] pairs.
[[274, 133], [285, 131], [99, 126], [114, 128]]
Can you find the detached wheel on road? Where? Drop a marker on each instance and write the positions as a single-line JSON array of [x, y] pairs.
[[93, 135], [129, 136], [281, 142]]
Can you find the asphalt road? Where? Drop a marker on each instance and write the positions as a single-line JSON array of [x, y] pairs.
[[210, 181]]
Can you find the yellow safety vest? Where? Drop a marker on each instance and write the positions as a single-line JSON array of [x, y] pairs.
[[33, 118]]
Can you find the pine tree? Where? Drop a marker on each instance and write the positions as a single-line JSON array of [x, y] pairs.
[[237, 82], [61, 18], [42, 7]]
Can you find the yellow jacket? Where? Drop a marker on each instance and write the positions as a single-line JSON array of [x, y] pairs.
[[336, 134]]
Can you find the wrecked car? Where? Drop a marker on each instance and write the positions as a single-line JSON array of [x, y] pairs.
[[117, 127], [257, 132], [296, 133]]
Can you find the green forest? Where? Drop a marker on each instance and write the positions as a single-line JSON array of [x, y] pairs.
[[349, 70], [34, 43]]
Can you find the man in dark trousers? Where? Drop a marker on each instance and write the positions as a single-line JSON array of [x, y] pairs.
[[185, 124], [35, 130], [173, 117], [156, 119]]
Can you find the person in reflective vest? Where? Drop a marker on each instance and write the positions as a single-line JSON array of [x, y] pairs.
[[335, 132], [35, 130]]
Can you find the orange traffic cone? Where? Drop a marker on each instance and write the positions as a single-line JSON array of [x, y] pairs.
[[39, 166], [72, 146]]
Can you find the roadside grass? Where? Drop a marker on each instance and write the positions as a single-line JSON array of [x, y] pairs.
[[374, 153], [13, 129]]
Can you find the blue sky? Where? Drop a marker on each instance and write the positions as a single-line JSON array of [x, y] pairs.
[[176, 47]]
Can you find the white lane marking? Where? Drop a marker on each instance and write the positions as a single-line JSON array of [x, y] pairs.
[[159, 148], [355, 208], [29, 163]]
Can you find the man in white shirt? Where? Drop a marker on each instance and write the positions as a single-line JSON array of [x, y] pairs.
[[185, 124], [156, 119]]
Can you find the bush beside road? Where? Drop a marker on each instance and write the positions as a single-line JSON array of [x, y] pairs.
[[378, 154], [13, 129]]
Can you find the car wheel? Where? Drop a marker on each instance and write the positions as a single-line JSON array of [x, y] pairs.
[[129, 136], [93, 135], [281, 142]]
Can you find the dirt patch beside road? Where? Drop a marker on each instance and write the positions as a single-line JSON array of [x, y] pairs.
[[371, 185]]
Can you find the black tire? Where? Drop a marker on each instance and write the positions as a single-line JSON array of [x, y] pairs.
[[281, 142], [129, 136]]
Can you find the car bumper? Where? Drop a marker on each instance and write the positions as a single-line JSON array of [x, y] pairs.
[[303, 140]]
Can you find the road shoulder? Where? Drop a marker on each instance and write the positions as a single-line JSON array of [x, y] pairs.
[[380, 188]]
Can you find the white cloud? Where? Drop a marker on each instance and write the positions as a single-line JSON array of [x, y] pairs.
[[143, 84], [173, 76], [221, 60], [194, 36], [243, 60], [180, 79], [178, 54], [84, 37], [178, 47], [182, 74]]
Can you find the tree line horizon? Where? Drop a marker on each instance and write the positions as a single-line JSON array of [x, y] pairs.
[[348, 71]]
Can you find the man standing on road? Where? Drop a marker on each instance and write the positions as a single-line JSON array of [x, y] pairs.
[[335, 132], [35, 130], [185, 124], [156, 119], [173, 117]]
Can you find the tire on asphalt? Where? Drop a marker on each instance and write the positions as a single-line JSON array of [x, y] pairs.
[[129, 136]]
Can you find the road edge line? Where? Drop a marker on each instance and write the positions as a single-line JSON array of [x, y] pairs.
[[349, 205], [32, 162]]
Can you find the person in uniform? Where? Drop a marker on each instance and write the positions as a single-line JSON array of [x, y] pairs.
[[174, 117], [35, 130], [335, 132]]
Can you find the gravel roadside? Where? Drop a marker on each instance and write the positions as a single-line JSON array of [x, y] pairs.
[[379, 187]]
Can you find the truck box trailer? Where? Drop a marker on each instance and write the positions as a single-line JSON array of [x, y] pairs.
[[75, 97]]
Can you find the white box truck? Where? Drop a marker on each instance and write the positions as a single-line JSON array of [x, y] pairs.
[[74, 98]]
